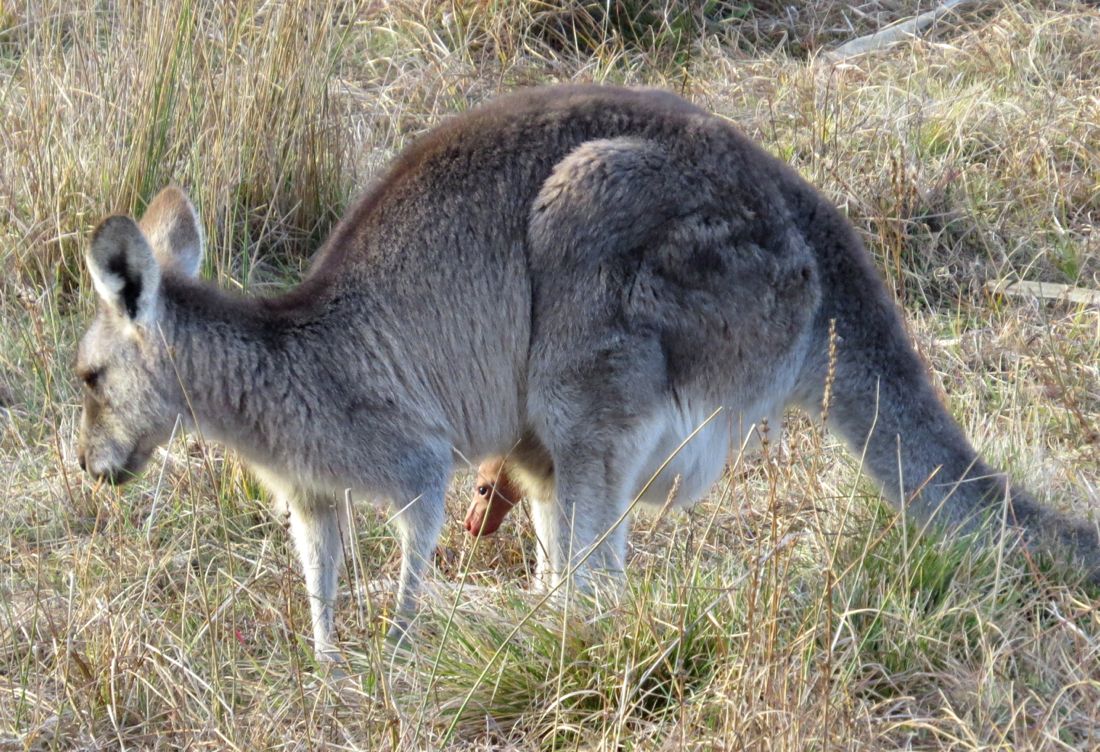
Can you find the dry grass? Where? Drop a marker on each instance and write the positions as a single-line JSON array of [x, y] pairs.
[[790, 611]]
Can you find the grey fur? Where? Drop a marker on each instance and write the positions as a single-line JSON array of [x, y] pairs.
[[637, 264]]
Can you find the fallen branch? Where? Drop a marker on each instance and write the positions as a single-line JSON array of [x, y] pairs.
[[893, 34], [1046, 291]]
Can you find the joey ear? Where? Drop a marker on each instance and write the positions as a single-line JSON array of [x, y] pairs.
[[124, 271], [172, 226]]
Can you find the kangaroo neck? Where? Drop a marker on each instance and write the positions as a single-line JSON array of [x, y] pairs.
[[247, 366]]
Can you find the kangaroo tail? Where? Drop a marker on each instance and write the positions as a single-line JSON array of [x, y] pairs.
[[885, 407]]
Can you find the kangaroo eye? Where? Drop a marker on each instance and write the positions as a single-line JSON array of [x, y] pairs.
[[483, 490], [91, 378]]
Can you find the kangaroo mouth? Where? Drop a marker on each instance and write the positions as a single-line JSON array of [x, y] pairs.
[[127, 471]]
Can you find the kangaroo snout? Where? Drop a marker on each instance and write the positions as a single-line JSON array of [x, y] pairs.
[[116, 474]]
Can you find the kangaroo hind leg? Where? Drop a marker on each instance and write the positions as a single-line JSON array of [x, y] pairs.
[[581, 528], [597, 432]]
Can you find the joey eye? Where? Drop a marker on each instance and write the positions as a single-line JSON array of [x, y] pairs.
[[482, 490]]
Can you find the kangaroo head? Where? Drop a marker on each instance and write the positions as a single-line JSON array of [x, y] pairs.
[[131, 393]]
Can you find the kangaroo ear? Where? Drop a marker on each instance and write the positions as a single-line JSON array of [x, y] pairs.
[[124, 271], [172, 227]]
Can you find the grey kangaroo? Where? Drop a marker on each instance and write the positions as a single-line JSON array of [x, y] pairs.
[[638, 264]]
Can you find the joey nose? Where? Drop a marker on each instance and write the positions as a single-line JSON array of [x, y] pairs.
[[474, 522]]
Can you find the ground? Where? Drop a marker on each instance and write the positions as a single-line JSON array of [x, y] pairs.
[[792, 610]]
